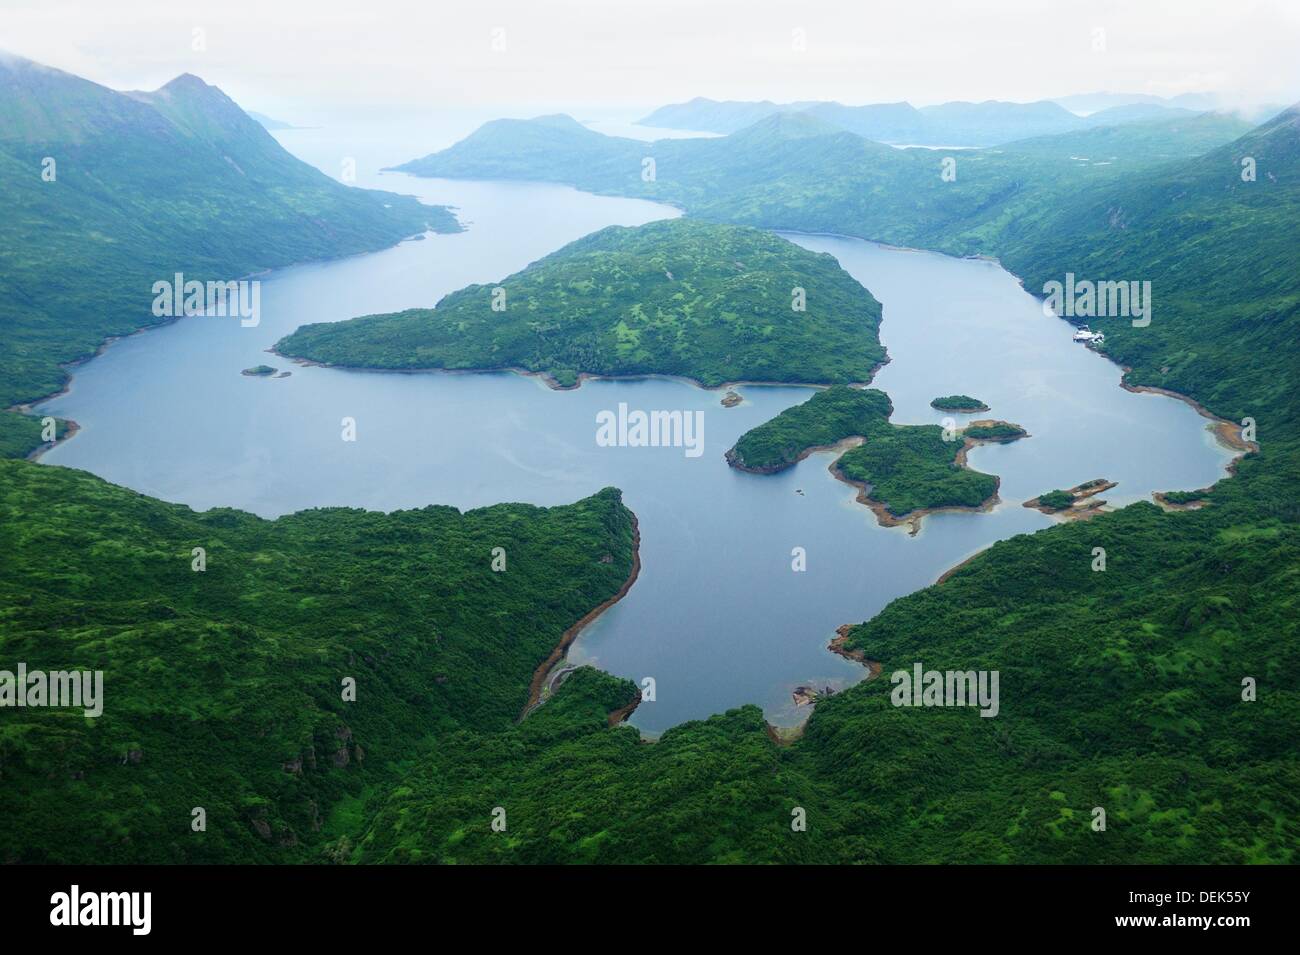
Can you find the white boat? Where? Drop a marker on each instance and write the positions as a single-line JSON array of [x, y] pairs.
[[1087, 336]]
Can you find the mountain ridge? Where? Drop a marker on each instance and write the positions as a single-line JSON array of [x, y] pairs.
[[124, 189]]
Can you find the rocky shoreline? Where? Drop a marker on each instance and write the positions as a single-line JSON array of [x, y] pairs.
[[841, 446], [557, 655], [839, 645], [1083, 503], [913, 518]]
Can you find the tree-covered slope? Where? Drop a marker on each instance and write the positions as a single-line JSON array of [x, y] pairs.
[[915, 467], [1220, 254], [1120, 689], [223, 687], [106, 193], [826, 418], [677, 297], [574, 790]]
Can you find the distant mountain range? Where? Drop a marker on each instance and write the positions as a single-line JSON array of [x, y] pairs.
[[797, 171], [949, 124], [1087, 103]]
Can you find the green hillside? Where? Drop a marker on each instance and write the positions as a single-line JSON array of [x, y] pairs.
[[145, 185], [223, 688], [677, 297]]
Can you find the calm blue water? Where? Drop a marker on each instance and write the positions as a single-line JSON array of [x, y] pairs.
[[717, 617]]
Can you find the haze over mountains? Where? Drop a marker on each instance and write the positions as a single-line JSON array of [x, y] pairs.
[[948, 124], [107, 192], [796, 171]]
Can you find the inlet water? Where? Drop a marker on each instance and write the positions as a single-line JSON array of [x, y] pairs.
[[718, 617]]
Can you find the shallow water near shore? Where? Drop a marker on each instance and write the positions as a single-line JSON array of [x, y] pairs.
[[717, 617]]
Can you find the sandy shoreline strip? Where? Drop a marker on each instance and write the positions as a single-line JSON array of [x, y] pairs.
[[1228, 432], [567, 638], [844, 444]]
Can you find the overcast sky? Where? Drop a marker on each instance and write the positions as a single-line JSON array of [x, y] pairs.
[[297, 56]]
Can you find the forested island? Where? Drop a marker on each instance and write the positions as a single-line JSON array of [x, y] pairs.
[[828, 417], [963, 404], [903, 471], [712, 303], [907, 471]]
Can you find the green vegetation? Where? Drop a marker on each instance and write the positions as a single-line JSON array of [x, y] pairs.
[[144, 186], [1185, 497], [576, 791], [20, 435], [826, 418], [958, 403], [258, 371], [1057, 500], [222, 688], [907, 468], [998, 431], [677, 297], [1120, 689], [913, 468]]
